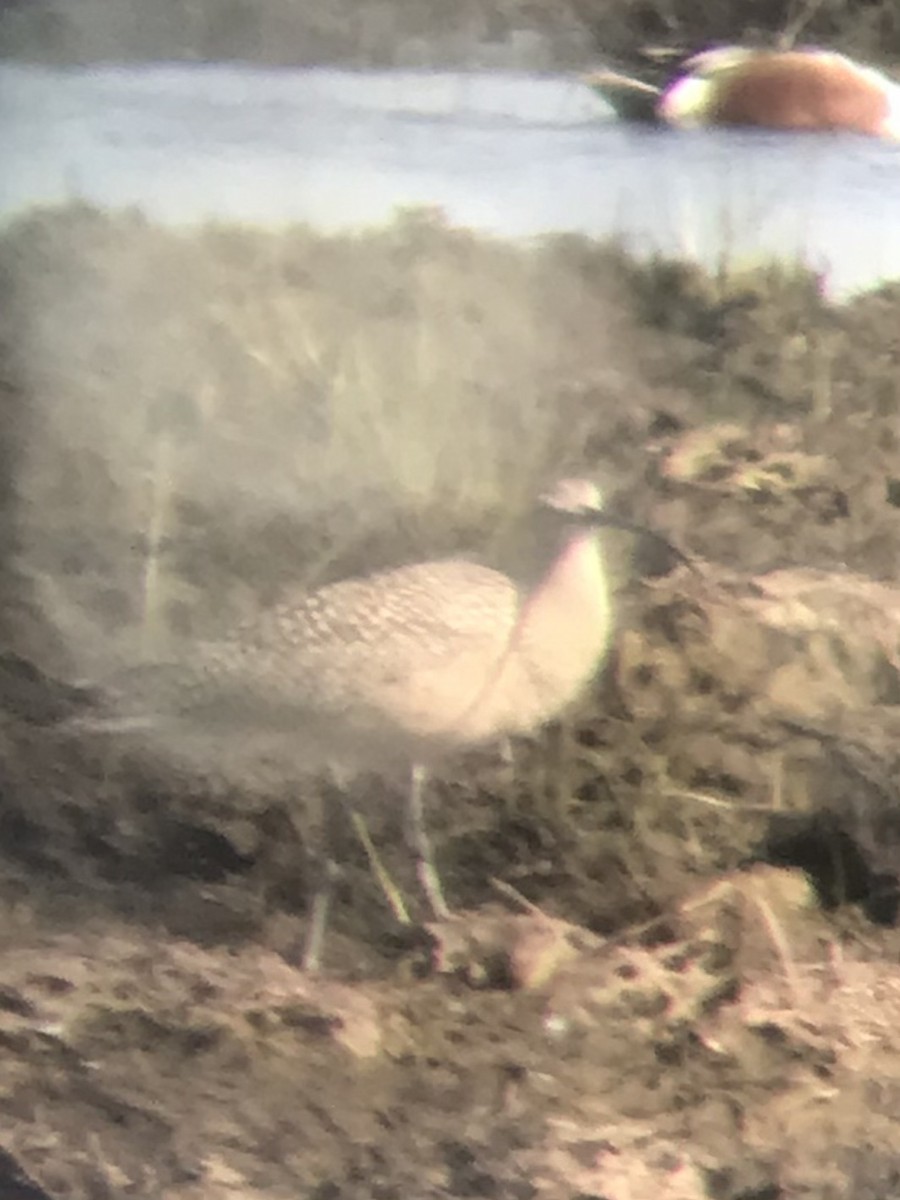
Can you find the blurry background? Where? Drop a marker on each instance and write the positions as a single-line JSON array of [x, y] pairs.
[[212, 416], [263, 326], [511, 33]]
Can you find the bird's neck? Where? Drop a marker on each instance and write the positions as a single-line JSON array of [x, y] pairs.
[[573, 586]]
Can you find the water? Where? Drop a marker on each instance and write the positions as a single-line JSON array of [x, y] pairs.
[[511, 154]]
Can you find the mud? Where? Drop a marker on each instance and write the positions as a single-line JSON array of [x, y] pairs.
[[673, 968]]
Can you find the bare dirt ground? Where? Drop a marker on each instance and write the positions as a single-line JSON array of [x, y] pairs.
[[674, 969]]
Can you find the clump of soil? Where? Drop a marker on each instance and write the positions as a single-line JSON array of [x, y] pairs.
[[672, 971]]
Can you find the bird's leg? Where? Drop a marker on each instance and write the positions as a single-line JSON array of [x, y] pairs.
[[325, 871], [390, 889], [319, 908], [417, 836], [325, 858]]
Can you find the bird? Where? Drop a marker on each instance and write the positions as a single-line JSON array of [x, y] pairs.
[[806, 88], [395, 672]]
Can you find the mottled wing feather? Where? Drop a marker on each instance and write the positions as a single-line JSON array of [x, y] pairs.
[[347, 647]]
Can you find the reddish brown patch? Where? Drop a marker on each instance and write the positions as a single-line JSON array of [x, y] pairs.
[[800, 91]]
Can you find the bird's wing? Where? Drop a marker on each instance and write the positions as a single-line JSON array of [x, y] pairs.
[[348, 642]]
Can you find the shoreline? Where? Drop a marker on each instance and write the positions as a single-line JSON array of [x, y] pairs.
[[565, 35]]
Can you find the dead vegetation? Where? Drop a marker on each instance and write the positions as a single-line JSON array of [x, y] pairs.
[[674, 971], [552, 34]]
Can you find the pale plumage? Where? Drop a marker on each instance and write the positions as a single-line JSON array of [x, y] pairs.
[[397, 670], [404, 665]]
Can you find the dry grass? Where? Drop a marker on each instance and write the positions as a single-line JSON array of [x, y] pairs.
[[192, 420], [204, 417], [210, 415]]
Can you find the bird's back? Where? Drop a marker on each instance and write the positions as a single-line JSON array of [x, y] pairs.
[[365, 671], [406, 665]]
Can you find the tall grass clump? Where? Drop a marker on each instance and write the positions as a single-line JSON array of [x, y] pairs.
[[212, 414]]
